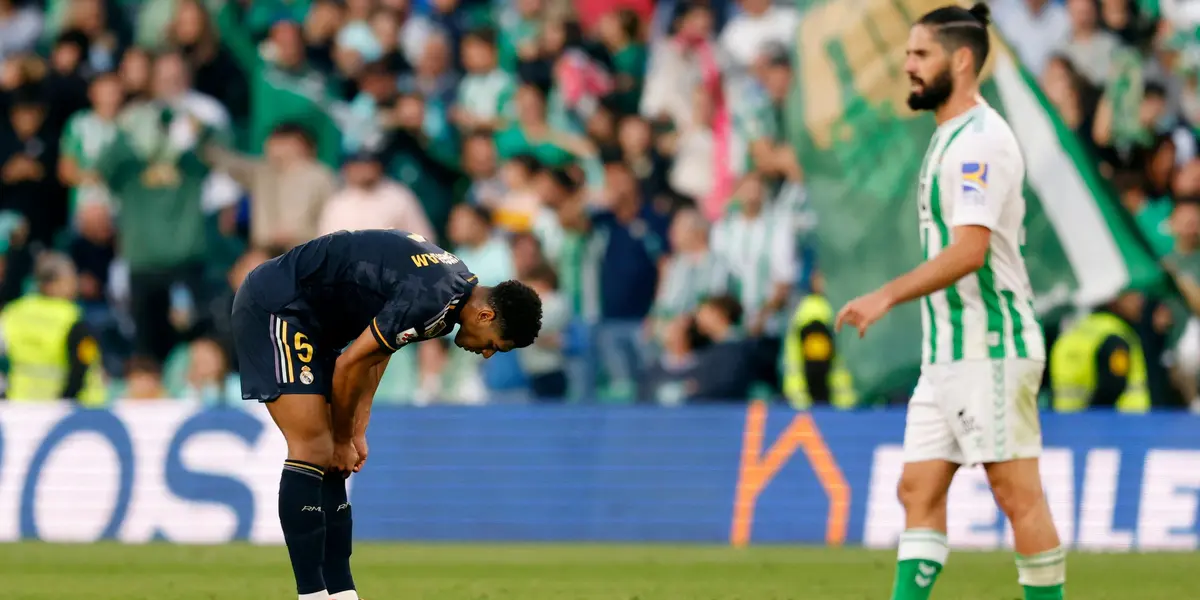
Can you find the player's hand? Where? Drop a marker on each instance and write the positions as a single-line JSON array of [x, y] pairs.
[[345, 458], [360, 446], [863, 311]]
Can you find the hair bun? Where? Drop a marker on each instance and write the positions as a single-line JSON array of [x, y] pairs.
[[982, 13]]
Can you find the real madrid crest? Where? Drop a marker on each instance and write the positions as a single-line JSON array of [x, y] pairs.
[[306, 376]]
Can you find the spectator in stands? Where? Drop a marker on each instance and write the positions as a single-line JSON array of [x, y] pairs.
[[519, 204], [1072, 96], [93, 251], [620, 30], [360, 127], [1034, 27], [20, 27], [52, 354], [485, 93], [207, 380], [91, 17], [1089, 48], [754, 242], [287, 62], [689, 274], [28, 158], [143, 380], [527, 257], [172, 87], [651, 167], [154, 173], [1184, 339], [87, 134], [693, 173], [66, 81], [630, 238], [543, 362], [419, 162], [480, 164], [216, 320], [758, 25], [479, 245], [433, 77], [666, 379], [371, 201], [288, 187], [214, 70], [533, 134], [319, 32], [760, 118], [679, 65], [724, 370], [134, 72]]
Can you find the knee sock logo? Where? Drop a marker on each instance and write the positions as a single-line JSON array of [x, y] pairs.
[[343, 506], [310, 508], [925, 573]]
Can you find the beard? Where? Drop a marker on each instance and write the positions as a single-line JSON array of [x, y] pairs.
[[933, 94]]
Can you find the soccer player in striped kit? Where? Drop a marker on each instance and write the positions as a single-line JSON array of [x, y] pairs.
[[983, 352]]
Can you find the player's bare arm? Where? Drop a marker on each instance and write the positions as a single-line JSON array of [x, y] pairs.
[[356, 374], [965, 255]]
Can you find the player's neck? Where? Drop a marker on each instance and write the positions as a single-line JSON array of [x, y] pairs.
[[959, 103]]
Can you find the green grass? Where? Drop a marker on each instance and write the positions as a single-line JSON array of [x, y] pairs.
[[541, 572]]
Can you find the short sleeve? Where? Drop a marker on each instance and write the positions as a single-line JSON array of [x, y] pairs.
[[977, 177], [413, 315]]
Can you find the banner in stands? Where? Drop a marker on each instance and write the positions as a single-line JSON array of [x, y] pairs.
[[736, 475], [861, 148]]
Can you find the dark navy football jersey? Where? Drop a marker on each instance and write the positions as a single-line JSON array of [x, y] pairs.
[[400, 285]]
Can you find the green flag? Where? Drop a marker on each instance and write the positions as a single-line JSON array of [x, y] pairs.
[[861, 148]]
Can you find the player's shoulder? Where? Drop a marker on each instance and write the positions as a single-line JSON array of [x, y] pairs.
[[987, 134]]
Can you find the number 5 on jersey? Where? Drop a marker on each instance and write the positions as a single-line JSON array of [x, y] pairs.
[[293, 353]]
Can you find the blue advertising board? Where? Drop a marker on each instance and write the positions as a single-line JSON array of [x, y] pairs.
[[731, 474]]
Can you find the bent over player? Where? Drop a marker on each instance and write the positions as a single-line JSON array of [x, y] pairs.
[[315, 329], [982, 350]]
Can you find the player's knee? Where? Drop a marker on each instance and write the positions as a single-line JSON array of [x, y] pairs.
[[1017, 495], [918, 495], [312, 446]]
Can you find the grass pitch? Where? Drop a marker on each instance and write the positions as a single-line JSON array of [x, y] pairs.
[[31, 571]]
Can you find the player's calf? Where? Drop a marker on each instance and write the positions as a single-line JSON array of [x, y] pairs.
[[339, 530], [304, 422], [1041, 560], [923, 549]]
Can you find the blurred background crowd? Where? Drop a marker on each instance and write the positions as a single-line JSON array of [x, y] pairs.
[[629, 159]]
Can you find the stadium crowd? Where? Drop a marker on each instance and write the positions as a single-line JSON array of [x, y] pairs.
[[627, 159]]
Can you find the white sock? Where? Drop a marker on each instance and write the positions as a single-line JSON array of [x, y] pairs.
[[346, 595], [1043, 569], [321, 595], [923, 544]]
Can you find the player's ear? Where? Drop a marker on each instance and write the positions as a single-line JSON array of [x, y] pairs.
[[485, 315], [962, 60]]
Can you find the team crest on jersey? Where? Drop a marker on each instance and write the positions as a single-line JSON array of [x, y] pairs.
[[306, 376], [974, 181], [406, 336]]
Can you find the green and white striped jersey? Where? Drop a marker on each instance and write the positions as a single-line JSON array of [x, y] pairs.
[[757, 253], [687, 279], [973, 174], [84, 139]]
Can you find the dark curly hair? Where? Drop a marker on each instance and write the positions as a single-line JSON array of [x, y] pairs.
[[518, 312]]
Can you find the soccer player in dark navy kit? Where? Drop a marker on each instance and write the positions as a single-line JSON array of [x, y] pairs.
[[315, 328]]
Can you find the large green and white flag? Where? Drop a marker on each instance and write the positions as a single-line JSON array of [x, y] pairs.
[[861, 148]]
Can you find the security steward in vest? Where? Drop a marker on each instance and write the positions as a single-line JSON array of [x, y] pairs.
[[1099, 361], [813, 372], [51, 354]]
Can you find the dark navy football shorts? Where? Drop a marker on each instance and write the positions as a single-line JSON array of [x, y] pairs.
[[276, 356]]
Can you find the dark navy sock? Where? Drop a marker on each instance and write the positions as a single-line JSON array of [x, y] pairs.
[[303, 521], [339, 532]]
